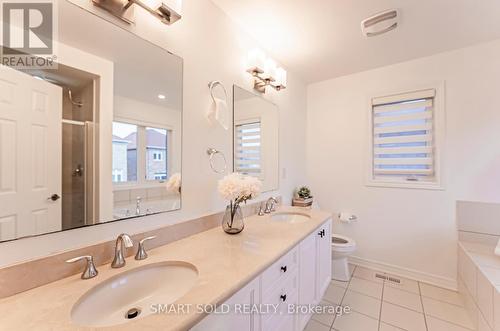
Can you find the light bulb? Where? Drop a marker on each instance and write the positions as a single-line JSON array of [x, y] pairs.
[[281, 77], [270, 69], [256, 60]]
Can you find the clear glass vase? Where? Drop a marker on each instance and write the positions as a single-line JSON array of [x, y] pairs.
[[232, 222]]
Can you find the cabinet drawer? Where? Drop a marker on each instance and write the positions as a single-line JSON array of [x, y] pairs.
[[282, 320], [280, 270], [283, 294], [288, 324]]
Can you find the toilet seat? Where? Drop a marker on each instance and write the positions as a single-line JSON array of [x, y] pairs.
[[342, 243]]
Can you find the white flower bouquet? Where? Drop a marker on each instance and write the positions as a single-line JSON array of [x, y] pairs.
[[174, 183], [237, 188]]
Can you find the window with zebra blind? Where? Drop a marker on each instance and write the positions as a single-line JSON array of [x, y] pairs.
[[248, 143], [405, 139]]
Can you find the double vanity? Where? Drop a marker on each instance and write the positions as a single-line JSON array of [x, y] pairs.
[[280, 260]]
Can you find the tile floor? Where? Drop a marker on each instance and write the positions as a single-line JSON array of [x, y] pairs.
[[381, 305]]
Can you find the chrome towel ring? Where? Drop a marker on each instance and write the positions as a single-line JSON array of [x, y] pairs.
[[212, 152]]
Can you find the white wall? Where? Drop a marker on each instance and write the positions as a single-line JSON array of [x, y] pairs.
[[409, 231], [213, 48]]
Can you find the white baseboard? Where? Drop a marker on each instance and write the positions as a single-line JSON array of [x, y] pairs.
[[423, 277]]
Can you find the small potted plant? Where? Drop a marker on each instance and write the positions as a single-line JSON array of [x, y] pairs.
[[237, 188], [303, 197]]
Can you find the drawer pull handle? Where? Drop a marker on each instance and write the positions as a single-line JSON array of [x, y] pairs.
[[283, 297], [283, 268]]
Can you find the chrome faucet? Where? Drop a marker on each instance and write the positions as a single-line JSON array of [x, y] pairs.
[[138, 206], [90, 270], [119, 260], [270, 205]]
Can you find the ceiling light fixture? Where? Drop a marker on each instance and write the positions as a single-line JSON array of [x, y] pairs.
[[380, 23], [124, 10], [161, 96], [265, 72]]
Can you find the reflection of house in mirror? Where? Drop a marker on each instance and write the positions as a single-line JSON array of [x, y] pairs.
[[125, 156], [156, 154]]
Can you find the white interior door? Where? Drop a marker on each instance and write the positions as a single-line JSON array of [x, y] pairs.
[[30, 155]]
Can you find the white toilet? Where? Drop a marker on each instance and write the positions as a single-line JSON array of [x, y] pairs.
[[342, 247]]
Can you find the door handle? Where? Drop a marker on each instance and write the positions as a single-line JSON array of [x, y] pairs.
[[54, 197]]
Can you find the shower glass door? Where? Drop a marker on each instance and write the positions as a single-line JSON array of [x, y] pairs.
[[74, 175]]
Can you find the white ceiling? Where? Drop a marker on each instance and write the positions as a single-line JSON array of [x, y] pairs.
[[321, 39]]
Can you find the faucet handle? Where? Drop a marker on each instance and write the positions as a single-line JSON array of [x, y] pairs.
[[90, 269], [261, 208], [141, 252]]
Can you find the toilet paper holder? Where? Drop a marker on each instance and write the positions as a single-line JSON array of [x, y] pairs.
[[346, 217]]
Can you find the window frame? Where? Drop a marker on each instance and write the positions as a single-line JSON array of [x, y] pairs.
[[439, 134], [141, 181]]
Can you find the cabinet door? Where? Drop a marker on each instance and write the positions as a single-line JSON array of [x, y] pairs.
[[324, 258], [249, 295], [307, 276]]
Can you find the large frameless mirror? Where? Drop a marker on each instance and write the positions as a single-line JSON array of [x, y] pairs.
[[96, 138], [256, 137]]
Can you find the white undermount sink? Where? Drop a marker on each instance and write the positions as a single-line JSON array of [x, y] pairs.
[[290, 217], [129, 295]]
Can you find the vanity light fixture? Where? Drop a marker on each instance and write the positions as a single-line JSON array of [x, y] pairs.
[[124, 10], [265, 72]]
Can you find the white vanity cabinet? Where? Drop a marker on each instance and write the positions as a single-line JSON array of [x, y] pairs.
[[315, 269], [235, 321], [324, 258], [301, 276]]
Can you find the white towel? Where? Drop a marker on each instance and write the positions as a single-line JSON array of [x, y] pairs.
[[222, 113], [219, 112]]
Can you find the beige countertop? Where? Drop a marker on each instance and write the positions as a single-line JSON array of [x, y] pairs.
[[225, 264]]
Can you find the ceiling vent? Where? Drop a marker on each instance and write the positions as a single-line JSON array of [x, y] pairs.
[[380, 23]]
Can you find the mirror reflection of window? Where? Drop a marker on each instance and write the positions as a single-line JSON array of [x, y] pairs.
[[124, 152], [256, 138], [156, 154], [248, 147], [129, 141]]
